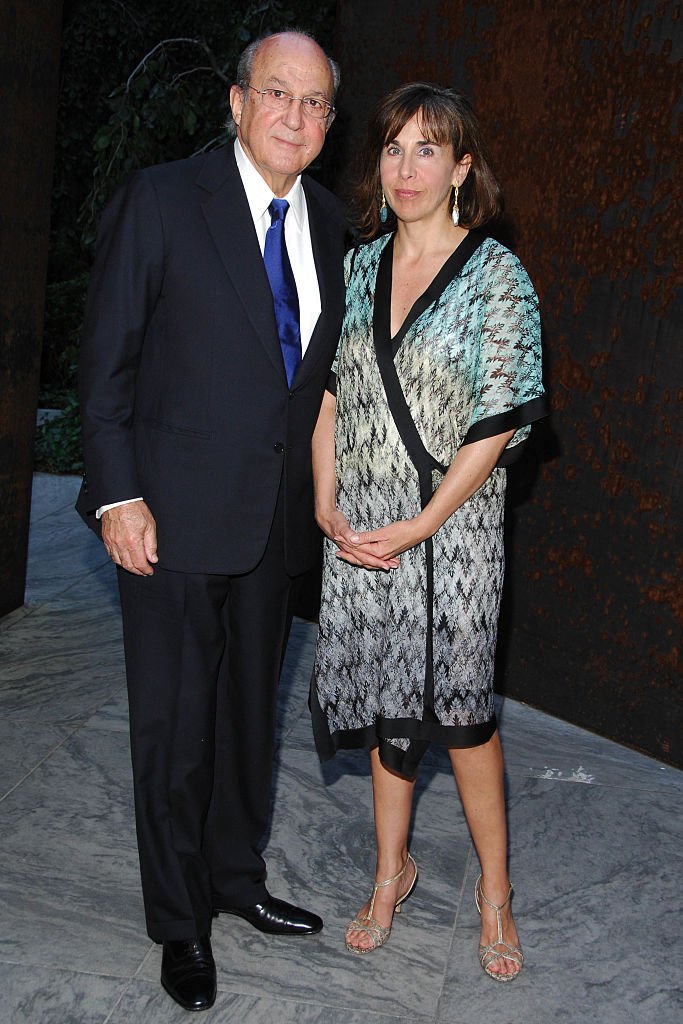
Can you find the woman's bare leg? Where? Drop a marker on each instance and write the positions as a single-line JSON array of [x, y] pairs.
[[393, 800], [479, 774]]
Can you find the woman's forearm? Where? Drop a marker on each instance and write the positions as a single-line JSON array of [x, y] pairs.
[[472, 465], [322, 450]]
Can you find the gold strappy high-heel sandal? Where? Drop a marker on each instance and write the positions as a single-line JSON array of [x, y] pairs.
[[379, 935], [489, 954]]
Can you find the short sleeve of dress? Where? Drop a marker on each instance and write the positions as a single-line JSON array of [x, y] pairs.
[[331, 385], [508, 385]]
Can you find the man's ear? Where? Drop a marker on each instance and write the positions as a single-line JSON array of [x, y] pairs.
[[236, 103]]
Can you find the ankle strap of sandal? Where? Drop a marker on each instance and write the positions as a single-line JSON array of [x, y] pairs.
[[479, 893], [388, 881]]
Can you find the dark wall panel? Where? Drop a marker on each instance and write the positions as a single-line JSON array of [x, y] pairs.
[[29, 60], [581, 108]]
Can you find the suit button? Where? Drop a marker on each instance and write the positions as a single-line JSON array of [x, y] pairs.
[[278, 447]]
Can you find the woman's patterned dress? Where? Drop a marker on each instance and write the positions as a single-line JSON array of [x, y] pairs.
[[470, 367]]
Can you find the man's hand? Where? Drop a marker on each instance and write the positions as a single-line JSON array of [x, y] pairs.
[[129, 533]]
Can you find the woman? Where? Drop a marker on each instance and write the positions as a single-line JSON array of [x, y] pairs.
[[437, 380]]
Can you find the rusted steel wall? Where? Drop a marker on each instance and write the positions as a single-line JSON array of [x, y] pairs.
[[581, 108], [30, 33]]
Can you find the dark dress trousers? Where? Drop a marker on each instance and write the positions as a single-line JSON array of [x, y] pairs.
[[185, 403]]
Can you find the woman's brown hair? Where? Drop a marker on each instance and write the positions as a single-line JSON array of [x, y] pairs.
[[445, 117]]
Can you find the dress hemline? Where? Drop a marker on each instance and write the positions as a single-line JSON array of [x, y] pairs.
[[420, 733]]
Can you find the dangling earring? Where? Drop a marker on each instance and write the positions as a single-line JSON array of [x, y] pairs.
[[455, 213], [383, 210]]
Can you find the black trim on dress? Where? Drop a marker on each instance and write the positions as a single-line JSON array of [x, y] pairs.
[[451, 268], [383, 730], [513, 419]]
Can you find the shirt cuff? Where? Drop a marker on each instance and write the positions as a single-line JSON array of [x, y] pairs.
[[115, 504]]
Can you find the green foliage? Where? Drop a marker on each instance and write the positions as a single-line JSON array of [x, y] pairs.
[[63, 319], [174, 101], [58, 441], [140, 84]]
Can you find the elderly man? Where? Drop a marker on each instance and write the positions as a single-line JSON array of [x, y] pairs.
[[213, 315]]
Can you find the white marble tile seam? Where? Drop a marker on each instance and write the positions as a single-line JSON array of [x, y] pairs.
[[129, 985], [77, 971], [75, 710], [92, 587], [42, 515], [23, 745], [60, 548], [9, 621], [147, 1003], [50, 669], [52, 585], [64, 522], [455, 930], [112, 714], [41, 761], [39, 597], [139, 972], [51, 493], [69, 862], [290, 1010], [40, 995]]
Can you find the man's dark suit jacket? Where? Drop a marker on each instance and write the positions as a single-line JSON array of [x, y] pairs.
[[184, 395]]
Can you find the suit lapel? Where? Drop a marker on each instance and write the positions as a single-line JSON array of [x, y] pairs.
[[229, 221], [323, 256]]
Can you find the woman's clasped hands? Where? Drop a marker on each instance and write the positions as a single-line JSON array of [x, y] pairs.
[[374, 549]]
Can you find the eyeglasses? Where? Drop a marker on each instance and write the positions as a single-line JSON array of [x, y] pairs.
[[278, 99]]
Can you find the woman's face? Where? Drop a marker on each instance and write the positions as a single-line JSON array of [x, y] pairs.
[[417, 175]]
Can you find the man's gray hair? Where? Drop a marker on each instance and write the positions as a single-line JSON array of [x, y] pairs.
[[246, 61]]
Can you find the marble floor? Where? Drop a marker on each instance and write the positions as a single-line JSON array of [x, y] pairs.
[[596, 850]]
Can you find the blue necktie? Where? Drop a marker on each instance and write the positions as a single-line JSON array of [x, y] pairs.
[[283, 287]]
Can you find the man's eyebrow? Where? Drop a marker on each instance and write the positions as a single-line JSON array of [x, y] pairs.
[[273, 80]]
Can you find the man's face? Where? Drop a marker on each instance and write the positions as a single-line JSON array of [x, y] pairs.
[[281, 144]]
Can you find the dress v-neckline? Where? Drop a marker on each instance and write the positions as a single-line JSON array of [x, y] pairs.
[[382, 311]]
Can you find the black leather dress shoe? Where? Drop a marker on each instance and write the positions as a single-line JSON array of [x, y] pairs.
[[277, 917], [188, 973]]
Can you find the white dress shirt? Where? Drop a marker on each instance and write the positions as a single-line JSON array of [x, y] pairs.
[[299, 249], [297, 237]]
